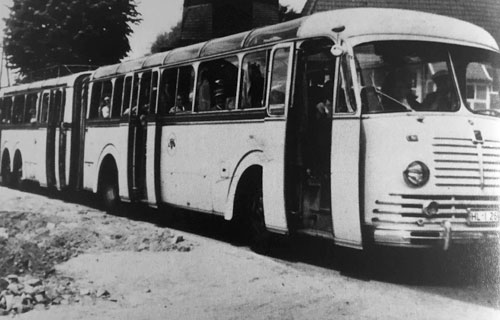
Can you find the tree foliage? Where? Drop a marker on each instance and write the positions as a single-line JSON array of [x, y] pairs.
[[167, 40], [43, 33], [286, 13], [172, 39]]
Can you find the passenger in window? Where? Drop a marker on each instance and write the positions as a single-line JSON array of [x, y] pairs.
[[178, 107], [204, 98], [220, 100], [441, 99], [104, 111], [256, 89], [127, 111], [32, 113], [324, 107], [396, 91]]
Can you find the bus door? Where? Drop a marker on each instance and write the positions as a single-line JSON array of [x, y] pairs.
[[136, 155], [280, 75], [345, 159], [61, 151], [51, 114], [309, 131], [76, 130], [53, 144]]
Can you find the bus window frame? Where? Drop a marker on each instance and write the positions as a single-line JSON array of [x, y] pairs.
[[154, 89], [8, 115], [243, 55], [177, 70], [224, 56], [356, 86], [40, 113], [290, 68], [113, 109], [127, 77]]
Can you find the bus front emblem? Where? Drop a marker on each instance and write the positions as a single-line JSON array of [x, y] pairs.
[[171, 144]]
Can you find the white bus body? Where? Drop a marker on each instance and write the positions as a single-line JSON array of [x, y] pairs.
[[38, 141], [331, 125]]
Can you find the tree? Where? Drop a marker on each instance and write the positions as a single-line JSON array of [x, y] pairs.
[[286, 13], [172, 39], [167, 40], [43, 33]]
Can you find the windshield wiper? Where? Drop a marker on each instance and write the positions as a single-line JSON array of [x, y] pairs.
[[407, 107], [492, 112]]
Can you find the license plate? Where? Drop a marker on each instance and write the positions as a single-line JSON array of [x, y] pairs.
[[483, 217]]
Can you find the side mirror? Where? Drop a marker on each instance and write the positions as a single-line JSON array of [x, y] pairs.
[[337, 50]]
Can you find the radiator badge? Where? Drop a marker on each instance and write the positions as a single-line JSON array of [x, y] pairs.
[[171, 146], [478, 141]]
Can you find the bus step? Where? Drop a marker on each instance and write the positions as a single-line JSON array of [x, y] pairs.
[[322, 211], [316, 233]]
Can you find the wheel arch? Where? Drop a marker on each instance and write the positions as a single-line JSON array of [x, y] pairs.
[[17, 160], [6, 157], [248, 164], [108, 167], [108, 152]]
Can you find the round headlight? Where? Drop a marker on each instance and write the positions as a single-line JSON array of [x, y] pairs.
[[416, 174]]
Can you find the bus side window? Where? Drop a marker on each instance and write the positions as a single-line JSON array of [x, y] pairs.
[[217, 85], [31, 102], [18, 110], [253, 84], [56, 104], [6, 109], [44, 112], [145, 92], [185, 87], [95, 100], [126, 96], [154, 93], [117, 98], [135, 95], [168, 89], [279, 77]]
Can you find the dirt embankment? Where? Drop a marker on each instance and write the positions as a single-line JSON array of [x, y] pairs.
[[40, 236]]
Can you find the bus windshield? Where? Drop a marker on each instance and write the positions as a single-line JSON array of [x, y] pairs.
[[415, 76], [478, 74]]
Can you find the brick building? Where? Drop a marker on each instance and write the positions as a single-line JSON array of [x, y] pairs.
[[207, 19], [485, 13]]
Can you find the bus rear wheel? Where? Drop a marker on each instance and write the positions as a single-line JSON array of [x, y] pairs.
[[109, 196], [17, 172], [6, 174]]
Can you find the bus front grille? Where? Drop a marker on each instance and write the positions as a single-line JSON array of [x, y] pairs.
[[461, 162], [449, 206]]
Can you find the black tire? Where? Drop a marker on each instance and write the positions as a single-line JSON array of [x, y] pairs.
[[6, 174], [258, 233], [110, 196], [16, 175]]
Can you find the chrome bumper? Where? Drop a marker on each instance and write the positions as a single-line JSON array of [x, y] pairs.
[[432, 235]]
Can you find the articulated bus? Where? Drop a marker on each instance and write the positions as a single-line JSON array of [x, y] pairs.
[[363, 126], [41, 129]]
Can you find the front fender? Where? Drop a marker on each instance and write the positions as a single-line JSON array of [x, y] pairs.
[[110, 150], [251, 158]]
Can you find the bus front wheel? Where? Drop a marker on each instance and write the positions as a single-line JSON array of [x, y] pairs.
[[259, 235]]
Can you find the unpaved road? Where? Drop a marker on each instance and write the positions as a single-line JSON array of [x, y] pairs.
[[152, 271]]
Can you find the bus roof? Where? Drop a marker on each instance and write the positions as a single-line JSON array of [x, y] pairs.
[[361, 23], [400, 23], [48, 83]]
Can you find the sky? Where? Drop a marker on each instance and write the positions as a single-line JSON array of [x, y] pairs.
[[158, 16]]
